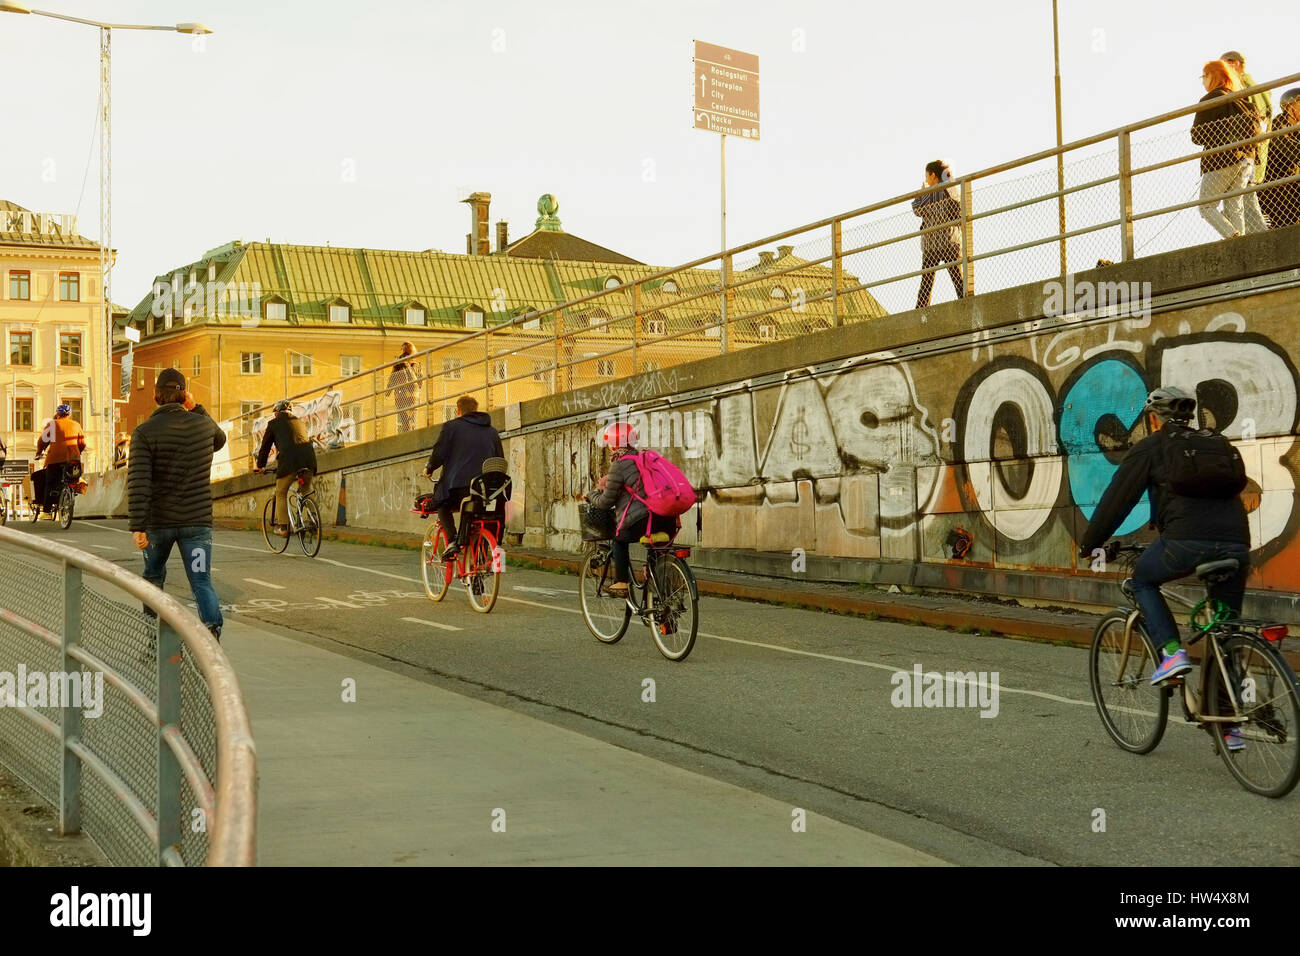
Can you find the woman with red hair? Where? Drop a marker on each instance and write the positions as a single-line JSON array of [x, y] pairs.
[[1227, 169]]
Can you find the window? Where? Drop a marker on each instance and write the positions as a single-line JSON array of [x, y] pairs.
[[75, 405], [212, 271], [353, 413], [198, 366], [654, 327], [250, 363], [24, 414], [167, 321], [20, 285], [341, 313], [246, 414], [500, 370], [349, 365], [69, 348], [613, 282], [415, 316], [299, 364], [20, 348], [187, 313], [605, 368], [767, 332], [540, 370], [713, 332], [778, 293], [473, 318], [669, 286], [139, 379], [533, 324], [277, 310], [69, 287], [451, 368]]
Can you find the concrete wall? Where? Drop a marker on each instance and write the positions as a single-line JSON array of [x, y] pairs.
[[873, 444]]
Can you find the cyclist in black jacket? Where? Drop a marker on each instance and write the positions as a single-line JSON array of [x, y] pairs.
[[1192, 530], [294, 452]]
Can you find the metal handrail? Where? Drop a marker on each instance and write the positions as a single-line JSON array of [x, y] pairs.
[[234, 812]]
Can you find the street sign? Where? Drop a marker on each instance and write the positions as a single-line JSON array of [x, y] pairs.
[[128, 363], [726, 90], [131, 333], [15, 471]]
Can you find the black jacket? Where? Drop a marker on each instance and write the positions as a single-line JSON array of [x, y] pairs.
[[1223, 124], [168, 478], [624, 478], [463, 445], [1282, 203], [1175, 516], [936, 209], [293, 446]]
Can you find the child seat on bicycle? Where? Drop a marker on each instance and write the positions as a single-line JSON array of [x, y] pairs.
[[488, 493]]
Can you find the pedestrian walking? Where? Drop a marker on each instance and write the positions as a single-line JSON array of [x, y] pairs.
[[1281, 204], [1223, 170], [939, 211], [401, 382], [169, 495], [1263, 105], [463, 444]]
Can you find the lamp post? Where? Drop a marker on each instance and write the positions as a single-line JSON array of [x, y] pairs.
[[105, 187], [1060, 157]]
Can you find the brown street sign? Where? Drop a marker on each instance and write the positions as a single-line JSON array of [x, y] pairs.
[[726, 90]]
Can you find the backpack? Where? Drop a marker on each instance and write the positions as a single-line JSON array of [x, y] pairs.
[[1203, 464], [664, 489]]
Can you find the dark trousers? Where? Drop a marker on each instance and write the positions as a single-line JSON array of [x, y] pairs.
[[447, 512], [621, 545], [1165, 560], [948, 252], [44, 481]]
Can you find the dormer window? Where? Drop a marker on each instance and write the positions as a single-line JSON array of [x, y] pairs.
[[613, 282], [415, 314], [778, 293], [533, 323], [669, 286], [340, 312], [212, 272], [473, 318], [277, 310]]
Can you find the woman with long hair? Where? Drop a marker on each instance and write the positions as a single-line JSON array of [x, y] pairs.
[[1224, 170]]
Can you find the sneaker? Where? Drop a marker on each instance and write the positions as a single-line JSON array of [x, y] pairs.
[[215, 630], [618, 589], [281, 531], [1233, 740], [1172, 666], [450, 553]]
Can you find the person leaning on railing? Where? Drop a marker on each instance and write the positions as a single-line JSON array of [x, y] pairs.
[[1263, 104], [1228, 169], [942, 245], [1282, 203], [401, 382]]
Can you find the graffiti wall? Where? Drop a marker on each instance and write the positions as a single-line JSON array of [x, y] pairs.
[[988, 454], [323, 417]]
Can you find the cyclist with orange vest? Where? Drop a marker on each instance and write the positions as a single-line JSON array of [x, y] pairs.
[[62, 441]]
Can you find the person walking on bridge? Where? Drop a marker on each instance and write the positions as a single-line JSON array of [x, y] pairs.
[[939, 209], [1263, 105], [169, 492], [463, 444]]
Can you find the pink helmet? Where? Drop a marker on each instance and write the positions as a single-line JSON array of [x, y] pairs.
[[618, 435]]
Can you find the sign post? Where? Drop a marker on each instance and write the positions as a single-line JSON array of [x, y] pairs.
[[726, 102]]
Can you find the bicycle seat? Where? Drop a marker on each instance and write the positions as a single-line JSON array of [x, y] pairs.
[[659, 537], [1217, 570]]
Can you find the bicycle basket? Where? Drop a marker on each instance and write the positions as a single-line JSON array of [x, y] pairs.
[[597, 524]]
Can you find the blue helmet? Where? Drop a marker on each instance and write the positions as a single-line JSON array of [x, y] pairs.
[[63, 411]]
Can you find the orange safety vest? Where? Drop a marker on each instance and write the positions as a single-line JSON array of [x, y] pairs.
[[64, 439]]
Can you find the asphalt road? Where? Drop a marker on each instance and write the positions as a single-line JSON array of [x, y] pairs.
[[792, 704]]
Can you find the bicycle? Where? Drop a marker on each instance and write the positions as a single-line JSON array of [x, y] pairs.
[[304, 518], [63, 505], [478, 563], [667, 598], [1242, 679]]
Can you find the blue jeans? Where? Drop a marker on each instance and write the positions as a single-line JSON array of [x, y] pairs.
[[195, 543], [1166, 560]]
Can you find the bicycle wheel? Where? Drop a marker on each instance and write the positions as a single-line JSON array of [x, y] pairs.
[[607, 616], [67, 501], [436, 573], [482, 583], [1269, 705], [676, 609], [309, 529], [273, 541], [1133, 712]]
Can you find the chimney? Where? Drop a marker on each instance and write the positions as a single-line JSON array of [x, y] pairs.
[[503, 237], [469, 243], [783, 251], [766, 258], [480, 241]]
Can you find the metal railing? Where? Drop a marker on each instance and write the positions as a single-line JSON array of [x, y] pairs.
[[1135, 198], [165, 772]]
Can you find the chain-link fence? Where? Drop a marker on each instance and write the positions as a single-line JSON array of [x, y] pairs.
[[131, 725], [1134, 191]]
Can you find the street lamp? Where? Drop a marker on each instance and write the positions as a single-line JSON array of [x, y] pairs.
[[106, 184]]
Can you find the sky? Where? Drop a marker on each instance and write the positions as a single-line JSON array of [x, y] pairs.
[[363, 124]]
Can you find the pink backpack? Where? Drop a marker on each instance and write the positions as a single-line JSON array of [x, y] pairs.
[[665, 490]]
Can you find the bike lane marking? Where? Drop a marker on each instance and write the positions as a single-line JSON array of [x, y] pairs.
[[265, 584], [445, 627]]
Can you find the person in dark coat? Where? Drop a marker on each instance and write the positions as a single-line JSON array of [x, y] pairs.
[[294, 452], [1228, 169], [616, 491], [943, 245], [1282, 203], [169, 491], [401, 382], [463, 444]]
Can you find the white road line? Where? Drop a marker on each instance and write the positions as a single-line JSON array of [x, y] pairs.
[[445, 627], [265, 584], [85, 544], [386, 574]]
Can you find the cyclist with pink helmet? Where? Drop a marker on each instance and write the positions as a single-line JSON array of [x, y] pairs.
[[616, 492]]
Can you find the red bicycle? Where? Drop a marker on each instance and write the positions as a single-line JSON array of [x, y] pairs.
[[479, 562]]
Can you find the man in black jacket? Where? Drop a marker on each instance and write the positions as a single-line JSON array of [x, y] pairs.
[[463, 444], [169, 493], [1192, 530], [294, 452]]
